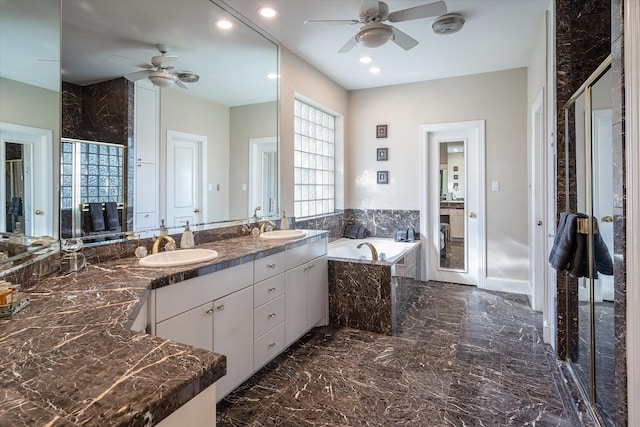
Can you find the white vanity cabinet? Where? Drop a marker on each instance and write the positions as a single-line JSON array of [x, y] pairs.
[[233, 337], [305, 289], [250, 312]]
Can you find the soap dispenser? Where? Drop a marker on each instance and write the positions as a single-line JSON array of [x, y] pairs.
[[284, 222], [187, 240]]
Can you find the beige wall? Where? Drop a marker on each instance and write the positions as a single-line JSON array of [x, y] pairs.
[[247, 121], [182, 112], [300, 78], [500, 98]]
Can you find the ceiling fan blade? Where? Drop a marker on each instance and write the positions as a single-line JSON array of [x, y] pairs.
[[425, 11], [371, 7], [332, 21], [180, 84], [403, 40], [128, 61], [349, 45], [138, 75]]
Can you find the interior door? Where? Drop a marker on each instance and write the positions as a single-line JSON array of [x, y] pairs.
[[184, 178], [455, 220]]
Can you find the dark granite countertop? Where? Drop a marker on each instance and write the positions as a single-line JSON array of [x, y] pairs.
[[70, 359]]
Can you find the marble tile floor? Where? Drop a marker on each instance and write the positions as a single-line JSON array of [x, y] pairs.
[[463, 357]]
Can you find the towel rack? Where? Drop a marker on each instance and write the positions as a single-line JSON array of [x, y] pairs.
[[583, 226], [84, 207]]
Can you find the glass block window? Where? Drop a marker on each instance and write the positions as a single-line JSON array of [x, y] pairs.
[[99, 172], [314, 161]]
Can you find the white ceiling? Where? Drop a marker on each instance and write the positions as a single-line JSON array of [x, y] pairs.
[[497, 35]]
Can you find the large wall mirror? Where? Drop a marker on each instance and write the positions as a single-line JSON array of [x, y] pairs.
[[452, 205], [29, 116], [159, 105]]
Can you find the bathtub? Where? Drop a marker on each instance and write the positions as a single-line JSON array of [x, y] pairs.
[[364, 294], [347, 249]]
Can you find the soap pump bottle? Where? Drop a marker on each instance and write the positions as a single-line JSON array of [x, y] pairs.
[[187, 240], [284, 222]]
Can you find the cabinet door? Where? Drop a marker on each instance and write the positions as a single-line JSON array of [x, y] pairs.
[[193, 327], [146, 188], [457, 223], [296, 305], [233, 337], [318, 276], [146, 123]]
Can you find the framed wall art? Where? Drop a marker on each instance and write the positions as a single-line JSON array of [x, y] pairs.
[[382, 154], [381, 131], [383, 177]]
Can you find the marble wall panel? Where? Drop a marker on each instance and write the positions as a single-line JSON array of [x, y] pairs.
[[381, 222]]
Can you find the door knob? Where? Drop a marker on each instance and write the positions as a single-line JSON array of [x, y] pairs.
[[196, 210], [472, 215], [39, 212], [539, 223], [607, 218]]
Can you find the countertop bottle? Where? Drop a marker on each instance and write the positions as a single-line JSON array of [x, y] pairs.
[[284, 222], [187, 240]]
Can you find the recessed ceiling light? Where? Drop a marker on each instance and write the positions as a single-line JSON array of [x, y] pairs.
[[224, 24], [375, 70], [267, 12], [366, 59], [273, 76]]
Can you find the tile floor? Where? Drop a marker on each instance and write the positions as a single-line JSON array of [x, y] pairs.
[[463, 357]]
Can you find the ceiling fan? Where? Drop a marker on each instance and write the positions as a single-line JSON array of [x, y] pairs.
[[374, 33], [161, 71]]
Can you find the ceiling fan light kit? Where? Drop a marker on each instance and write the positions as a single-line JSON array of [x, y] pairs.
[[162, 78], [374, 35], [448, 24]]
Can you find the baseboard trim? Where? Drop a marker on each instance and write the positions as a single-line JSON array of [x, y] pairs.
[[520, 287]]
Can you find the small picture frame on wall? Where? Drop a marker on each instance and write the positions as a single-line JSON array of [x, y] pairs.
[[383, 177], [382, 154], [455, 169], [381, 131], [455, 176]]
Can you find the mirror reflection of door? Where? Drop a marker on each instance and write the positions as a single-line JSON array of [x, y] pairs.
[[263, 176], [452, 205], [15, 188]]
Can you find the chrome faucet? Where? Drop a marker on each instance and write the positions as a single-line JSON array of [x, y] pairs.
[[273, 224], [156, 244], [374, 251]]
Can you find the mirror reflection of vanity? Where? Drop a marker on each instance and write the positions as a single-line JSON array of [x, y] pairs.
[[452, 205], [232, 103]]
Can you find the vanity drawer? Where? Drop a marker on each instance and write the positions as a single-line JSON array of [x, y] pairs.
[[269, 266], [268, 346], [146, 220], [267, 290], [305, 253], [268, 316]]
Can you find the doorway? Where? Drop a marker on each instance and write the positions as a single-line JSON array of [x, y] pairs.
[[263, 176], [25, 176], [186, 175], [452, 202]]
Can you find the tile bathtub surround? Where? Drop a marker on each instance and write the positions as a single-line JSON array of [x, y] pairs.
[[381, 222], [462, 357]]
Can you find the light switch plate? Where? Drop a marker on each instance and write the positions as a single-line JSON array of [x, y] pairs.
[[495, 185]]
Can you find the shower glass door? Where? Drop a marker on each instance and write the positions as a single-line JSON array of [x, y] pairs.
[[590, 133]]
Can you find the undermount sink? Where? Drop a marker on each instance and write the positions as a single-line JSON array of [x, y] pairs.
[[283, 234], [178, 257]]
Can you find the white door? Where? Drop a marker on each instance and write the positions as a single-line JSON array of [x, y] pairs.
[[37, 189], [537, 203], [263, 176], [462, 202], [603, 193], [184, 178]]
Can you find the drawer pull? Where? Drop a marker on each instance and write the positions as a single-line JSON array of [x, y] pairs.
[[272, 345], [271, 266], [220, 307], [271, 289], [272, 315], [210, 311]]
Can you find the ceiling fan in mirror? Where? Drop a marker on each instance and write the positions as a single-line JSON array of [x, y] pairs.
[[161, 71], [375, 33]]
